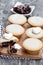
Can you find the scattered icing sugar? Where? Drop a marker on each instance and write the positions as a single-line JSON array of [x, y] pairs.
[[36, 30], [7, 36], [17, 46]]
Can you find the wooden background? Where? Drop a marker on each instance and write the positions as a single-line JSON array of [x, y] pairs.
[[5, 6]]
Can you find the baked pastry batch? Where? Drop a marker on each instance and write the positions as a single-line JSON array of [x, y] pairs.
[[20, 25]]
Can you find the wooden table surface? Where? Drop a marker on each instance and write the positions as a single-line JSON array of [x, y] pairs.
[[5, 6]]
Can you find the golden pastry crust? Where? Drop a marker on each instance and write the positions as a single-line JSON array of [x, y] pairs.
[[32, 45], [30, 33], [17, 19], [36, 21], [15, 29]]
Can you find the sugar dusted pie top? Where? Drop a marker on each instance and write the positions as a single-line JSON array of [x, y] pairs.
[[15, 29], [17, 19], [32, 44], [35, 21], [35, 32]]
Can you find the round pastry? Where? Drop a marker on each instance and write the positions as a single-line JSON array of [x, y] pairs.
[[35, 32], [15, 29], [32, 45], [17, 19], [35, 21]]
